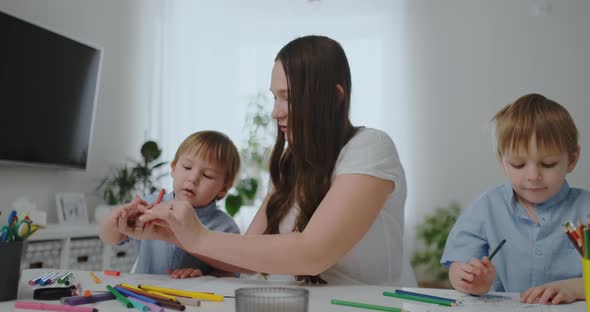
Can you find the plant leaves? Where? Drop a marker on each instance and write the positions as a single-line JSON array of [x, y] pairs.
[[233, 204]]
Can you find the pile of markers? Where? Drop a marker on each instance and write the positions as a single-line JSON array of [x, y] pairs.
[[60, 286], [49, 278], [579, 236]]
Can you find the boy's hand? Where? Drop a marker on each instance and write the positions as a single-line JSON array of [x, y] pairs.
[[185, 273], [565, 291], [475, 277]]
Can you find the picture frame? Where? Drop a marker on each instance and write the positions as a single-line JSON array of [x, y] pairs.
[[71, 208]]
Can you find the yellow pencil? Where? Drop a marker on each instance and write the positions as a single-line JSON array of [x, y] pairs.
[[95, 278], [183, 293]]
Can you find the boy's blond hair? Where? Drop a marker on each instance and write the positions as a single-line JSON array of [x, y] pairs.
[[214, 146], [534, 114]]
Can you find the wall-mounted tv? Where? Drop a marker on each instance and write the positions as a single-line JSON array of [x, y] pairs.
[[48, 91]]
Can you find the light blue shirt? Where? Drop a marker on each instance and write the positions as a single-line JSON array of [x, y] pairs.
[[156, 257], [534, 254]]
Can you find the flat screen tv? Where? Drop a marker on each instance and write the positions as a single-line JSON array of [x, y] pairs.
[[48, 90]]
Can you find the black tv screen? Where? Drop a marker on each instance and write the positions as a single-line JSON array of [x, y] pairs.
[[48, 89]]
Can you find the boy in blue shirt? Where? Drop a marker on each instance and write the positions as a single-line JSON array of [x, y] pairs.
[[537, 146], [203, 170]]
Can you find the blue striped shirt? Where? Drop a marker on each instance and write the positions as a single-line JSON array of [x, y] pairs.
[[534, 254]]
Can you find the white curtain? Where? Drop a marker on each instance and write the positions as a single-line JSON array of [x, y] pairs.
[[215, 54]]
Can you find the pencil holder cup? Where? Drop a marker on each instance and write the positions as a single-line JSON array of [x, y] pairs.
[[10, 258], [586, 276], [271, 299]]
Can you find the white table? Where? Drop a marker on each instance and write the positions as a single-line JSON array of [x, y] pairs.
[[319, 295]]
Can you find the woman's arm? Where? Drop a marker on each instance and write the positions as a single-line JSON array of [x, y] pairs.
[[257, 226], [343, 217]]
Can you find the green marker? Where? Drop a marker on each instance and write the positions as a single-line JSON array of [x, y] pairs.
[[62, 279], [365, 306], [120, 297], [138, 305]]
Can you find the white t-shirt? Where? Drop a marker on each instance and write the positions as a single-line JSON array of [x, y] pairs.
[[377, 258]]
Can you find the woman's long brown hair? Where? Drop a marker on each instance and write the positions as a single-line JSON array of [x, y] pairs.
[[301, 166]]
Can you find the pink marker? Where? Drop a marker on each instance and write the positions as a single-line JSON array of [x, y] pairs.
[[51, 307]]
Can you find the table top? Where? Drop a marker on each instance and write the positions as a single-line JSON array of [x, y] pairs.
[[319, 296]]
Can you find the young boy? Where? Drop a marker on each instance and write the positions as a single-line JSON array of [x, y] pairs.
[[537, 146], [203, 170]]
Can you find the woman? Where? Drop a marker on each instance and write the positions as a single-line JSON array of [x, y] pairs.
[[336, 199]]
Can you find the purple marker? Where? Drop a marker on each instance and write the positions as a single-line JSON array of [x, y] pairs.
[[78, 300]]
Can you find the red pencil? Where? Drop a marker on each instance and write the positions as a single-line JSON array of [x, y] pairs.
[[159, 200], [162, 192]]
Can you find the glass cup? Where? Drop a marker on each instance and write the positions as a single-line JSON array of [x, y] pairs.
[[272, 299]]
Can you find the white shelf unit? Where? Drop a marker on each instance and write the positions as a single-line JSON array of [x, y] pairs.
[[75, 247]]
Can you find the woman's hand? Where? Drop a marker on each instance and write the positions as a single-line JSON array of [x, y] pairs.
[[565, 291], [178, 217], [129, 223], [475, 277]]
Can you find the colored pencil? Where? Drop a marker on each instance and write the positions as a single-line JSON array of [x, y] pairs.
[[404, 292], [421, 299], [586, 243], [159, 200], [572, 240], [365, 306], [497, 249]]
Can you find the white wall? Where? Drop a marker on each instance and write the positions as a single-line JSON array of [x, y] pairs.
[[122, 29], [465, 60]]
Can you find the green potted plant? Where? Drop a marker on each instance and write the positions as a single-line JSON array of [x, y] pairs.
[[254, 155], [434, 231], [126, 181]]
